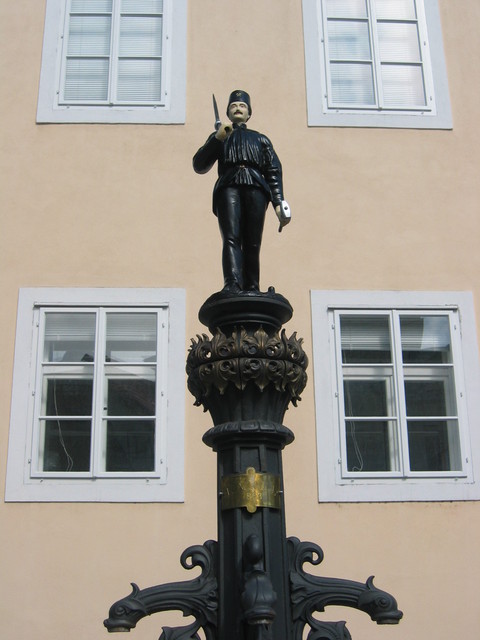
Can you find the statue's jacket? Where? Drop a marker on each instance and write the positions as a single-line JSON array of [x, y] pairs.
[[246, 158]]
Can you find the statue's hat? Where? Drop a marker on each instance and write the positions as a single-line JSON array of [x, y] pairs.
[[240, 96]]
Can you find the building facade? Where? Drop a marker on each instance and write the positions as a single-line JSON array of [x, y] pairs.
[[109, 248]]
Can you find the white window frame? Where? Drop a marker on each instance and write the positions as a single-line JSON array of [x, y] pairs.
[[24, 482], [170, 111], [438, 116], [334, 484]]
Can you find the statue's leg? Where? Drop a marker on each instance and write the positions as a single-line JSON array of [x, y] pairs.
[[228, 209], [254, 206]]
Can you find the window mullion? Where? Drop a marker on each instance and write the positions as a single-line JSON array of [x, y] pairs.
[[60, 97], [375, 49], [35, 457], [398, 373], [166, 50], [425, 62], [340, 394], [161, 392], [98, 435], [114, 53], [459, 383], [325, 44]]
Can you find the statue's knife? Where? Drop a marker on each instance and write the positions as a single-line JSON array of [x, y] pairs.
[[218, 122]]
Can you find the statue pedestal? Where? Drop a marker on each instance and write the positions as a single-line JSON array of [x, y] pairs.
[[246, 309]]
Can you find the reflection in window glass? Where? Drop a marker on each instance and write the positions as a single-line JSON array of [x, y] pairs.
[[66, 445], [365, 339], [69, 337], [369, 446], [425, 339], [425, 398], [434, 445], [130, 445], [349, 40], [366, 398], [68, 397], [131, 397], [131, 337]]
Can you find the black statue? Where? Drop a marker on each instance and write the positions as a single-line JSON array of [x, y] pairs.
[[249, 177]]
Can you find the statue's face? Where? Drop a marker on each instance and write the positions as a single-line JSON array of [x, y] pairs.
[[238, 112]]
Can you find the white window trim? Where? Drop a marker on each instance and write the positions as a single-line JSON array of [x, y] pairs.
[[319, 116], [173, 112], [20, 486], [331, 486]]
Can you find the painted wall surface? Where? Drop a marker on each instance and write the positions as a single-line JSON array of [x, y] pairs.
[[120, 206]]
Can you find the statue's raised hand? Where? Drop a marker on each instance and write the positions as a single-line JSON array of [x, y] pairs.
[[223, 131]]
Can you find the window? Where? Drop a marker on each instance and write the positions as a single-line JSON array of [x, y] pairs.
[[375, 63], [402, 389], [113, 61], [98, 396]]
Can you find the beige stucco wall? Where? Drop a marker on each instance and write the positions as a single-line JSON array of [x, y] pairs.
[[119, 206]]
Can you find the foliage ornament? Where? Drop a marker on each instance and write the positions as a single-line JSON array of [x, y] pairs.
[[244, 358]]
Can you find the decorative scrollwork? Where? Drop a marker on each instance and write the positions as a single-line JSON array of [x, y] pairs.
[[197, 597], [313, 593], [246, 358], [304, 552]]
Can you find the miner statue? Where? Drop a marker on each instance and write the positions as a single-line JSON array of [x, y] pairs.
[[249, 177]]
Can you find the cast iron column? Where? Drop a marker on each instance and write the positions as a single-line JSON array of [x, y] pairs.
[[245, 376]]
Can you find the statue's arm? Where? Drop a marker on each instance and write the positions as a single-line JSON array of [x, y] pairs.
[[273, 173], [274, 178], [207, 155]]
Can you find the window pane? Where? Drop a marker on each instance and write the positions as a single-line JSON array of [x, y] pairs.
[[434, 445], [142, 6], [130, 445], [370, 446], [127, 397], [69, 337], [66, 445], [140, 81], [131, 337], [395, 9], [346, 8], [403, 86], [89, 36], [428, 398], [91, 6], [68, 397], [141, 36], [348, 40], [365, 339], [352, 83], [398, 42], [365, 398], [426, 339], [86, 79]]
